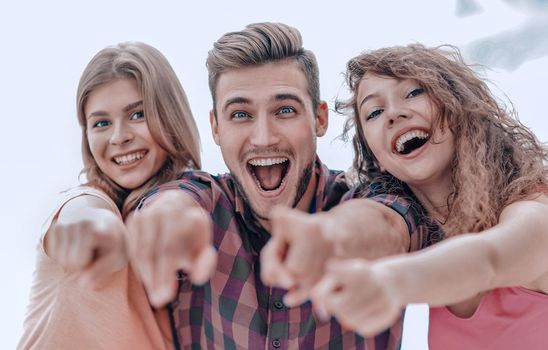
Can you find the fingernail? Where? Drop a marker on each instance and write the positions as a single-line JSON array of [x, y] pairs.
[[345, 326], [322, 314], [161, 296], [285, 281], [289, 300]]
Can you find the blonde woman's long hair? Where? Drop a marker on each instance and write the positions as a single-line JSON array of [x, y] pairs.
[[497, 160], [166, 109]]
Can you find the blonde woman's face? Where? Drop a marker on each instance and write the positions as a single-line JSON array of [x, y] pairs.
[[118, 134], [397, 118]]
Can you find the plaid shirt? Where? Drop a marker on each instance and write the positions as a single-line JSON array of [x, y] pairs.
[[235, 310], [395, 194]]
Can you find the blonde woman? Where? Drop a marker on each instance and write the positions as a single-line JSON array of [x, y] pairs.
[[137, 132]]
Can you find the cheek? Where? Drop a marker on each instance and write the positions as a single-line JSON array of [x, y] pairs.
[[232, 142], [95, 145], [451, 147], [373, 140], [160, 155], [230, 153], [301, 135]]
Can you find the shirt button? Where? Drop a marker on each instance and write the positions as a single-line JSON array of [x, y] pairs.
[[276, 343], [278, 305]]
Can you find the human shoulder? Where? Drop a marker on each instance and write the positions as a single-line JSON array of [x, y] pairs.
[[332, 186], [532, 203], [520, 238], [204, 188], [219, 185], [81, 190], [70, 194], [396, 195]]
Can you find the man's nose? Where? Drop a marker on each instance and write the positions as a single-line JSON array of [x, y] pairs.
[[265, 132]]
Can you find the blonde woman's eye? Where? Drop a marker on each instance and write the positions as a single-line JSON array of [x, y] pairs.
[[101, 124], [137, 115], [239, 115], [415, 92]]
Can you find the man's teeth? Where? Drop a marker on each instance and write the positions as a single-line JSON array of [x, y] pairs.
[[267, 161], [408, 136], [128, 158]]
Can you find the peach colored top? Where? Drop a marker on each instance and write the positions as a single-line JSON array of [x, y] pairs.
[[506, 318], [114, 315]]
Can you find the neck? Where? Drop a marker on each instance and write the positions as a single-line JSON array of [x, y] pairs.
[[308, 196], [434, 198]]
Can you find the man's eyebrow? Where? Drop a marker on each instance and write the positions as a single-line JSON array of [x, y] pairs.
[[281, 97], [235, 100], [127, 108]]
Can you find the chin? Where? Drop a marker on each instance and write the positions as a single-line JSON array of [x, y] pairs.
[[131, 184]]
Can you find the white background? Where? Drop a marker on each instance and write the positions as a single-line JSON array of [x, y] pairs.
[[45, 45]]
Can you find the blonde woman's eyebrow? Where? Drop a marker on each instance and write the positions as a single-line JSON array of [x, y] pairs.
[[127, 108], [97, 114], [133, 105]]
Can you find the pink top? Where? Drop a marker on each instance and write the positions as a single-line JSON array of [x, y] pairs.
[[114, 315], [506, 318]]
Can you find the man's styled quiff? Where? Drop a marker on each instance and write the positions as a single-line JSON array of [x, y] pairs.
[[261, 43]]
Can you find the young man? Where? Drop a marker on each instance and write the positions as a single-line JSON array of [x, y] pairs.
[[266, 116]]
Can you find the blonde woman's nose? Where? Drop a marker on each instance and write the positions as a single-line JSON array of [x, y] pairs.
[[121, 134]]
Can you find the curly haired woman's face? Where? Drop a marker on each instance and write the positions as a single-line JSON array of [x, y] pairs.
[[118, 134], [397, 117]]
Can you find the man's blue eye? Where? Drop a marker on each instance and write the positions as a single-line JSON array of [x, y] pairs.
[[415, 92], [285, 110], [239, 115], [137, 115], [374, 114], [101, 124]]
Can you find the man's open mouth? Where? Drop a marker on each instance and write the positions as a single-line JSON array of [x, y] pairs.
[[269, 173], [411, 141]]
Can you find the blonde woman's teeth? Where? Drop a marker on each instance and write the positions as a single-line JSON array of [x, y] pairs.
[[129, 158]]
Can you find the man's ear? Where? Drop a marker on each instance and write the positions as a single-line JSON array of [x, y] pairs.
[[322, 118], [214, 127]]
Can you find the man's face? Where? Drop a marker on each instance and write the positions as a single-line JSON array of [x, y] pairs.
[[267, 128]]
